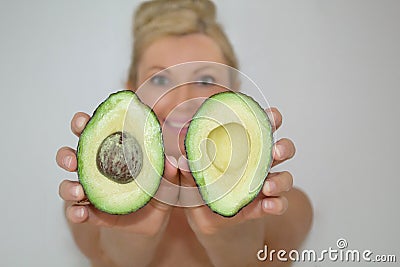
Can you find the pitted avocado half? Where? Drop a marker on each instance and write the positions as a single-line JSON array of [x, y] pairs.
[[229, 149], [121, 154]]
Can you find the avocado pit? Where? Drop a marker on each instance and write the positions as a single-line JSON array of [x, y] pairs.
[[120, 157]]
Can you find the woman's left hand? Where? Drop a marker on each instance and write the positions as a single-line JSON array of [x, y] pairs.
[[270, 200]]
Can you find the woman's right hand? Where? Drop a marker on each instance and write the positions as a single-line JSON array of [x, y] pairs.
[[149, 220]]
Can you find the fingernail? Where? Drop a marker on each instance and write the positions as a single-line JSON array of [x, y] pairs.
[[67, 161], [75, 191], [79, 212], [270, 186], [268, 204], [80, 122]]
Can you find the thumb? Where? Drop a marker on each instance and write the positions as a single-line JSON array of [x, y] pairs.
[[168, 192], [185, 174], [189, 195]]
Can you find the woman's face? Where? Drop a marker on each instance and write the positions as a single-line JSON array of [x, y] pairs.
[[176, 93]]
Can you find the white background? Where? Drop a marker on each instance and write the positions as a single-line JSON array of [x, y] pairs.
[[331, 67]]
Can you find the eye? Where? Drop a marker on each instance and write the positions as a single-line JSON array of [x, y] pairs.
[[206, 80], [159, 80]]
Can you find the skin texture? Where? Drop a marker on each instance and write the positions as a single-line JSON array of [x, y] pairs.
[[164, 235]]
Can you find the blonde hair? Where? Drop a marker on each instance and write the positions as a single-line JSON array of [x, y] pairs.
[[160, 18]]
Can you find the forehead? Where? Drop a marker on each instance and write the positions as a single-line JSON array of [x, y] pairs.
[[171, 50]]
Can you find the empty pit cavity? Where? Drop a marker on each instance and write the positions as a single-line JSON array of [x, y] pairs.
[[228, 147]]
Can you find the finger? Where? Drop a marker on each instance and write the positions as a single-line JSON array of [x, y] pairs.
[[261, 207], [91, 215], [275, 117], [79, 122], [168, 192], [77, 214], [189, 195], [277, 183], [186, 175], [284, 149], [171, 170], [156, 210], [275, 205], [71, 191], [66, 159], [136, 222]]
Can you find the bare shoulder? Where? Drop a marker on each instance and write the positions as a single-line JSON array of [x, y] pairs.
[[289, 230]]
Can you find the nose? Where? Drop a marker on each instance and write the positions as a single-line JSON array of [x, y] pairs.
[[183, 97]]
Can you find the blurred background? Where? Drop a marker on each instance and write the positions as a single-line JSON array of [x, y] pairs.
[[331, 67]]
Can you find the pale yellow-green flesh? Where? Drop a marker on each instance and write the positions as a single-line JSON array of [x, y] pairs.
[[223, 141], [119, 114], [229, 146]]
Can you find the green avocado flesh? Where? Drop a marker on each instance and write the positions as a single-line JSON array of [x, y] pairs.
[[121, 154], [229, 149]]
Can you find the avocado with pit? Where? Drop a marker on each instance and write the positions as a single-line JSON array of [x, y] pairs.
[[229, 149], [121, 154]]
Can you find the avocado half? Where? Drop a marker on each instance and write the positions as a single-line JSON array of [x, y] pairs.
[[121, 154], [229, 149]]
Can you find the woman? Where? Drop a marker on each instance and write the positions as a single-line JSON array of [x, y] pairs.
[[167, 33]]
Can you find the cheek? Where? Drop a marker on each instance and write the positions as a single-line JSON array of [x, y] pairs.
[[163, 106], [160, 112]]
